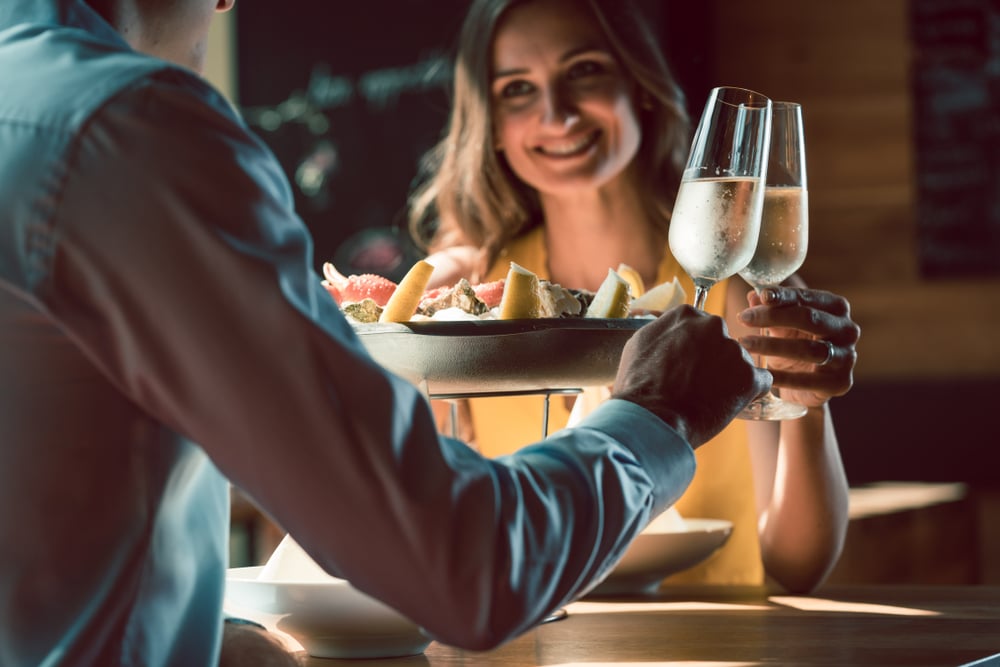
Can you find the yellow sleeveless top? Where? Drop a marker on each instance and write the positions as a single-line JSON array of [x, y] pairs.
[[722, 487]]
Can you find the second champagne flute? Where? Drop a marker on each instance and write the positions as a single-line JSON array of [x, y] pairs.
[[784, 236], [716, 217]]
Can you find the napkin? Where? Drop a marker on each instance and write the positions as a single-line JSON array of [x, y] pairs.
[[290, 562]]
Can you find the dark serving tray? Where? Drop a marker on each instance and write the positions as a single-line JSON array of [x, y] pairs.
[[501, 356]]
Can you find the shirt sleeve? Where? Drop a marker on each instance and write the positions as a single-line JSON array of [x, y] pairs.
[[181, 269]]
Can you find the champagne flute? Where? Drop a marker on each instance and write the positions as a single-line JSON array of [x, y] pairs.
[[784, 232], [716, 218]]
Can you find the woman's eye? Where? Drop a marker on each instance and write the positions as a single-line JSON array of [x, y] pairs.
[[515, 89], [586, 68]]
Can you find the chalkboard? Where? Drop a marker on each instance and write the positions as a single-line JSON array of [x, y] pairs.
[[350, 95], [956, 90]]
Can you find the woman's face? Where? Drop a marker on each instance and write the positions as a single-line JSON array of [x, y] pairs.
[[562, 107]]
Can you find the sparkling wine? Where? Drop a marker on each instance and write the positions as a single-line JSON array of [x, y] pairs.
[[781, 248], [714, 227]]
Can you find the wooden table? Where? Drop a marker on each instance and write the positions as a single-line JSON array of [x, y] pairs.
[[727, 627]]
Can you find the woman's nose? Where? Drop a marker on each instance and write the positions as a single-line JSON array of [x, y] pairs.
[[558, 107]]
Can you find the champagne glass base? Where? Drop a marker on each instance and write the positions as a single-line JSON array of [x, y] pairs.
[[771, 408]]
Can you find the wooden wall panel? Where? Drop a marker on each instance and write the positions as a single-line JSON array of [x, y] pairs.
[[849, 63]]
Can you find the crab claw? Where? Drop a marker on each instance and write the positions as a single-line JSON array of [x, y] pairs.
[[331, 273], [355, 288]]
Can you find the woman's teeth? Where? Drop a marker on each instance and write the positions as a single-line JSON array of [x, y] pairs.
[[569, 147]]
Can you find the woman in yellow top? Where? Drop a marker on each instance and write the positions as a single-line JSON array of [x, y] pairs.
[[563, 153]]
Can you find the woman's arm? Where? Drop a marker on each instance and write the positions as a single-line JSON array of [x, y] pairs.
[[799, 479], [452, 264]]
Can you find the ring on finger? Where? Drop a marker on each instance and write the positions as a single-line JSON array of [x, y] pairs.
[[830, 350]]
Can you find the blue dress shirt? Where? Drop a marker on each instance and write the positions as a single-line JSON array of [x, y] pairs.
[[163, 333]]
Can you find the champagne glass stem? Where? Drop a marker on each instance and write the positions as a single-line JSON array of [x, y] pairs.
[[701, 287], [770, 407], [761, 359]]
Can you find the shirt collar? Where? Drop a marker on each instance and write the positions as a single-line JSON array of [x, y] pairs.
[[68, 13]]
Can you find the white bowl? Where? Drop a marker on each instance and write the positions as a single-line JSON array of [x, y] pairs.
[[330, 619], [658, 552]]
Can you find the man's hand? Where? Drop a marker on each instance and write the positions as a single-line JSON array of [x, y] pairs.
[[251, 646], [684, 368]]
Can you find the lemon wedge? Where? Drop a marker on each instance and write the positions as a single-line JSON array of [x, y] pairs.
[[404, 301], [662, 297], [520, 294], [636, 285], [612, 298]]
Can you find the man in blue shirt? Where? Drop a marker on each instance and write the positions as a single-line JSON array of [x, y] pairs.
[[162, 333]]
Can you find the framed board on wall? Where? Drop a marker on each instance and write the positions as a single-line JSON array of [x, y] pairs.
[[349, 96], [956, 92]]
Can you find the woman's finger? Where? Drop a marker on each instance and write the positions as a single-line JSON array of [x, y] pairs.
[[824, 384], [820, 352], [804, 296], [813, 321]]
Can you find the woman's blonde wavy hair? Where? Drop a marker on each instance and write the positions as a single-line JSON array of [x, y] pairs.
[[468, 194]]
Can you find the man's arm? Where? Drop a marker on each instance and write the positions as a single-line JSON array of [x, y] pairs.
[[189, 281]]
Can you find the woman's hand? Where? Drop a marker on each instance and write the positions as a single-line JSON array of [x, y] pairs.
[[451, 264], [810, 346]]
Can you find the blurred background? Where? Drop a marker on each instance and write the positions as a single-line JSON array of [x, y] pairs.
[[901, 102]]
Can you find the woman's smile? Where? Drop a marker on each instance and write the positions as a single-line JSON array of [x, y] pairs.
[[570, 147]]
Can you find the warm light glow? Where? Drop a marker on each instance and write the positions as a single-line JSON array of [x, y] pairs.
[[837, 606], [625, 607], [220, 56], [891, 497]]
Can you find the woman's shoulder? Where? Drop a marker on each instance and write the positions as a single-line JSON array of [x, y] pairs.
[[527, 249]]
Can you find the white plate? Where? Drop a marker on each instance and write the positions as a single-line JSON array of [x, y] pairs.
[[330, 619], [501, 356], [654, 555]]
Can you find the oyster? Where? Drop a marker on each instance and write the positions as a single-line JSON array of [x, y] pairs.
[[460, 296], [365, 311]]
